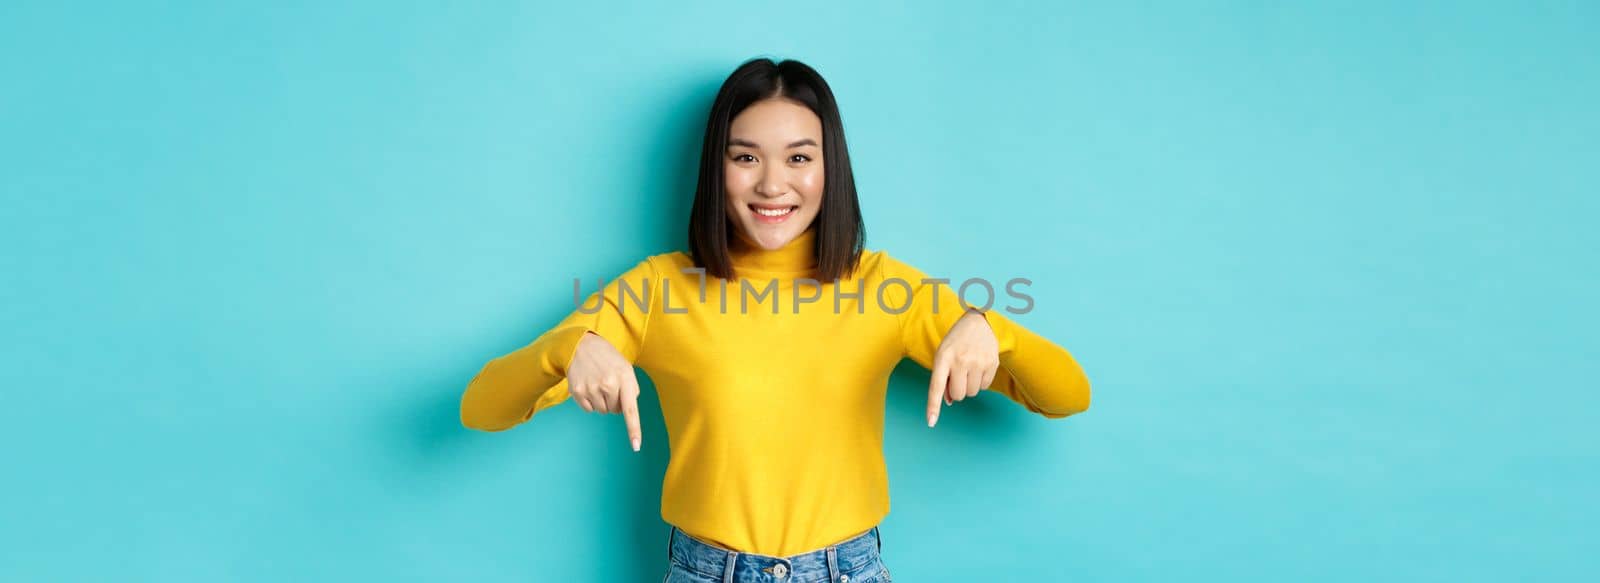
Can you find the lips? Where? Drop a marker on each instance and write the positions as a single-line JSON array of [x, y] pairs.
[[771, 213]]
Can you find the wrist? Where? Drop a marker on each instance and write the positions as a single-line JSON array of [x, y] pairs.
[[977, 314]]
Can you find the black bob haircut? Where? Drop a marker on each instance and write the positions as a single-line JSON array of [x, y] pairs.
[[841, 232]]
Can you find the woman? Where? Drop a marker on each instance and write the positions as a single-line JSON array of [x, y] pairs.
[[771, 345]]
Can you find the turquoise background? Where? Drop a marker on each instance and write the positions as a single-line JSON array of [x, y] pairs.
[[1329, 267]]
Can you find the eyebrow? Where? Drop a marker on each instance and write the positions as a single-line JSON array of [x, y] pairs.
[[750, 144]]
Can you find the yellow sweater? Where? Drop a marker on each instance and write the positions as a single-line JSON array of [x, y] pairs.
[[774, 420]]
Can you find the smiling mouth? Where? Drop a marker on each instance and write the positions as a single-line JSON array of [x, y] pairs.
[[773, 211]]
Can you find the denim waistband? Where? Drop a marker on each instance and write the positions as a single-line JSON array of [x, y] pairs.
[[853, 559]]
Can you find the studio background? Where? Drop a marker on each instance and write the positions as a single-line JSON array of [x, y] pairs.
[[1329, 268]]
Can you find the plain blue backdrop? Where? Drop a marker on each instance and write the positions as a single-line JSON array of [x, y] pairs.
[[1330, 268]]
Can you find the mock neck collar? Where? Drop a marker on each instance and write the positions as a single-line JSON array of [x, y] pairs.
[[798, 255]]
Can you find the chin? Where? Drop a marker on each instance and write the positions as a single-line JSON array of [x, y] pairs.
[[770, 239]]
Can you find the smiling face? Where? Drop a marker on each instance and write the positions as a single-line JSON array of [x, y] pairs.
[[773, 171]]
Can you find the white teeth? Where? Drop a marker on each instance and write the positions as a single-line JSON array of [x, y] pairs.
[[774, 213]]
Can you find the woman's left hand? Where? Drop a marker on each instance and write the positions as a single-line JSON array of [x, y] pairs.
[[965, 363]]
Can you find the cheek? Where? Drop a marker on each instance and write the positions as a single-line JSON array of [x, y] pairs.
[[737, 180], [811, 182]]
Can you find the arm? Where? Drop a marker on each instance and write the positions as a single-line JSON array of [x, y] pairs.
[[1033, 372], [511, 388]]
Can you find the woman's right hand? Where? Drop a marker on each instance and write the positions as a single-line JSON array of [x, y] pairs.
[[603, 381]]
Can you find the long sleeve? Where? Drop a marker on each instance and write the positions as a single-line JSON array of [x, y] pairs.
[[1034, 372], [510, 389]]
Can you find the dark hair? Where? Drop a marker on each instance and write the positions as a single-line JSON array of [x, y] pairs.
[[841, 232]]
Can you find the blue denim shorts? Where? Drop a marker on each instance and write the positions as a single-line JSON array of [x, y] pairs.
[[857, 560]]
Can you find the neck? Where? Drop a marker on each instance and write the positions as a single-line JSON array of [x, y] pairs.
[[798, 255]]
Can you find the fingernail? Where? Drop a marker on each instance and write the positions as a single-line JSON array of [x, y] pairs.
[[932, 419], [635, 444]]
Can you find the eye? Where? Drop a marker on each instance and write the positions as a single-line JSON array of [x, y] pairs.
[[743, 158], [799, 158]]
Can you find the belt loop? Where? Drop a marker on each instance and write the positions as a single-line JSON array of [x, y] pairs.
[[671, 534], [727, 570], [833, 564], [879, 536]]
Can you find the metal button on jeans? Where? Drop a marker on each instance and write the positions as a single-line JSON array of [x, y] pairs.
[[779, 570], [844, 579]]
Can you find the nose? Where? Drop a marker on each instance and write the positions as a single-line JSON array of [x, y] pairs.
[[773, 182]]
